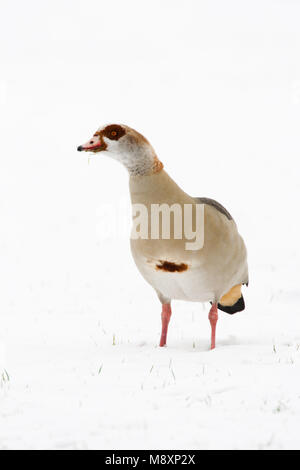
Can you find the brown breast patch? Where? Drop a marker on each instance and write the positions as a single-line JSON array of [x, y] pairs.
[[171, 267]]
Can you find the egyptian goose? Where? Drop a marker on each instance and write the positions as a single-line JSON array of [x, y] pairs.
[[212, 272]]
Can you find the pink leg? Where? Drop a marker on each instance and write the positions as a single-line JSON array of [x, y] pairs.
[[213, 318], [165, 318]]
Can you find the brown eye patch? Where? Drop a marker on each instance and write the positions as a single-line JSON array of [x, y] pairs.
[[114, 131]]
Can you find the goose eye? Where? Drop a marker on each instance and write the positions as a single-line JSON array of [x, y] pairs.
[[113, 133]]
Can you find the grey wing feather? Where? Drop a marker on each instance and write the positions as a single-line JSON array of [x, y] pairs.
[[220, 208], [215, 204]]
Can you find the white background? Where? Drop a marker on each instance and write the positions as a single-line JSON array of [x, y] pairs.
[[215, 87]]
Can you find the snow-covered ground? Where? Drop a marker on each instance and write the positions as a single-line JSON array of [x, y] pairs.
[[215, 87]]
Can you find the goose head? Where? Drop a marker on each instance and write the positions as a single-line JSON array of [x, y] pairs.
[[125, 145]]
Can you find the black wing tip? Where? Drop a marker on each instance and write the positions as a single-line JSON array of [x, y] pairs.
[[231, 309]]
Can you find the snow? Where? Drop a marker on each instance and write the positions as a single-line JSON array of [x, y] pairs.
[[215, 87]]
